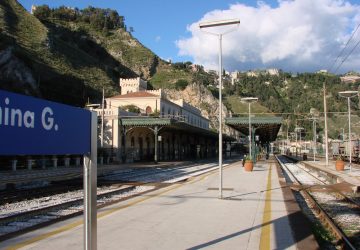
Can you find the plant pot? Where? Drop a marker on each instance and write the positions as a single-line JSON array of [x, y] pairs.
[[249, 165], [339, 165]]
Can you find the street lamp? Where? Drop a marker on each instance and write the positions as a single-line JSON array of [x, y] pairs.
[[249, 100], [211, 25], [348, 94]]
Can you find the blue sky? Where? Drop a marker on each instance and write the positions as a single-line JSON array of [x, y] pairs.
[[299, 35]]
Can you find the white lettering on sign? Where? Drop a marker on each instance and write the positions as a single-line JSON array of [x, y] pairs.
[[29, 119], [16, 117], [46, 118]]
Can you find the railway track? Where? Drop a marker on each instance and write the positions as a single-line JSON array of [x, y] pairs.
[[106, 178], [25, 216], [337, 211]]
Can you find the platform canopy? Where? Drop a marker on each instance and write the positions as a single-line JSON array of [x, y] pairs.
[[170, 124], [267, 127]]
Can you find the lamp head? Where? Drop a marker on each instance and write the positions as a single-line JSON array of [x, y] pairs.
[[348, 93], [218, 23], [249, 99]]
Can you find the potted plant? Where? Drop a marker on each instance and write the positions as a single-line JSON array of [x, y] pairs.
[[249, 165], [339, 163]]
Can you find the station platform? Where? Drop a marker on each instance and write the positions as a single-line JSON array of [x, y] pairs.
[[257, 211], [349, 176]]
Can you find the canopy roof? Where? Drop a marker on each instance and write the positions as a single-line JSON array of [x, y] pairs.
[[267, 127], [169, 124]]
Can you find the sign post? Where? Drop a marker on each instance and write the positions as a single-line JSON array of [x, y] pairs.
[[90, 184], [31, 126]]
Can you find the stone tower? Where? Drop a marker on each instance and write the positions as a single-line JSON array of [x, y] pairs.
[[132, 85]]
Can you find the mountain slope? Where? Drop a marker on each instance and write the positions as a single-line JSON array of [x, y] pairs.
[[68, 65], [69, 55]]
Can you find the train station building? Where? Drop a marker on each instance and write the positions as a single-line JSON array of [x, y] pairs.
[[144, 125]]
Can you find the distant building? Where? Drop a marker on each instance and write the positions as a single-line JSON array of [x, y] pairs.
[[195, 67], [350, 79], [212, 72], [252, 73], [234, 76], [322, 71], [33, 9], [273, 72], [256, 73]]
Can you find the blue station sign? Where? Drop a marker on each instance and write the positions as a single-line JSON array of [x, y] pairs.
[[31, 126]]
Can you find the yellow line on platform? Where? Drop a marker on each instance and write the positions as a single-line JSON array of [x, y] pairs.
[[266, 228], [80, 222]]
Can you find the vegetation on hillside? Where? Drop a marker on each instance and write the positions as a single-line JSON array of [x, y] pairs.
[[99, 19], [72, 54], [292, 97], [69, 65]]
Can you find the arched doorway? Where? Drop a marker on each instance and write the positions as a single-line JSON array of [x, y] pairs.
[[148, 110]]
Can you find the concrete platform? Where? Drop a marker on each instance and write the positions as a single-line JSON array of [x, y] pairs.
[[351, 177], [253, 214]]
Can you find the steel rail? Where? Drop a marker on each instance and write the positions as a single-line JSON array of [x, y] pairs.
[[323, 215]]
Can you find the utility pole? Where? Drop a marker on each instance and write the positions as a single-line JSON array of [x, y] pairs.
[[326, 129]]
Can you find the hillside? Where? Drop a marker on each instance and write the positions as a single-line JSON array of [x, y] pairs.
[[79, 51], [69, 55], [60, 61], [292, 96]]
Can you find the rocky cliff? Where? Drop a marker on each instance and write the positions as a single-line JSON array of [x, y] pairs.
[[15, 75], [201, 98]]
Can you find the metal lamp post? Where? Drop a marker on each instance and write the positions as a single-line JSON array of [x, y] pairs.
[[249, 100], [348, 94], [211, 25]]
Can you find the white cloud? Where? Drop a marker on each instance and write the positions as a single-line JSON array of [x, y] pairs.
[[298, 35], [157, 39]]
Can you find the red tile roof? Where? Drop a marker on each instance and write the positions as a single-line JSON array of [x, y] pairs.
[[135, 95]]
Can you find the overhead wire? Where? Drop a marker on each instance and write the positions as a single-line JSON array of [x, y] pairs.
[[357, 44], [347, 43]]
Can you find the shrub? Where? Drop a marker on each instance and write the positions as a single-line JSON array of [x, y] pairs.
[[181, 84], [131, 108]]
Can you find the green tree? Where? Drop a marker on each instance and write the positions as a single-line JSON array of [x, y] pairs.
[[181, 84], [42, 12]]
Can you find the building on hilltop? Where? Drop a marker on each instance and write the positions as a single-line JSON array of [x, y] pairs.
[[322, 71], [33, 9], [234, 76], [350, 79], [273, 72]]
